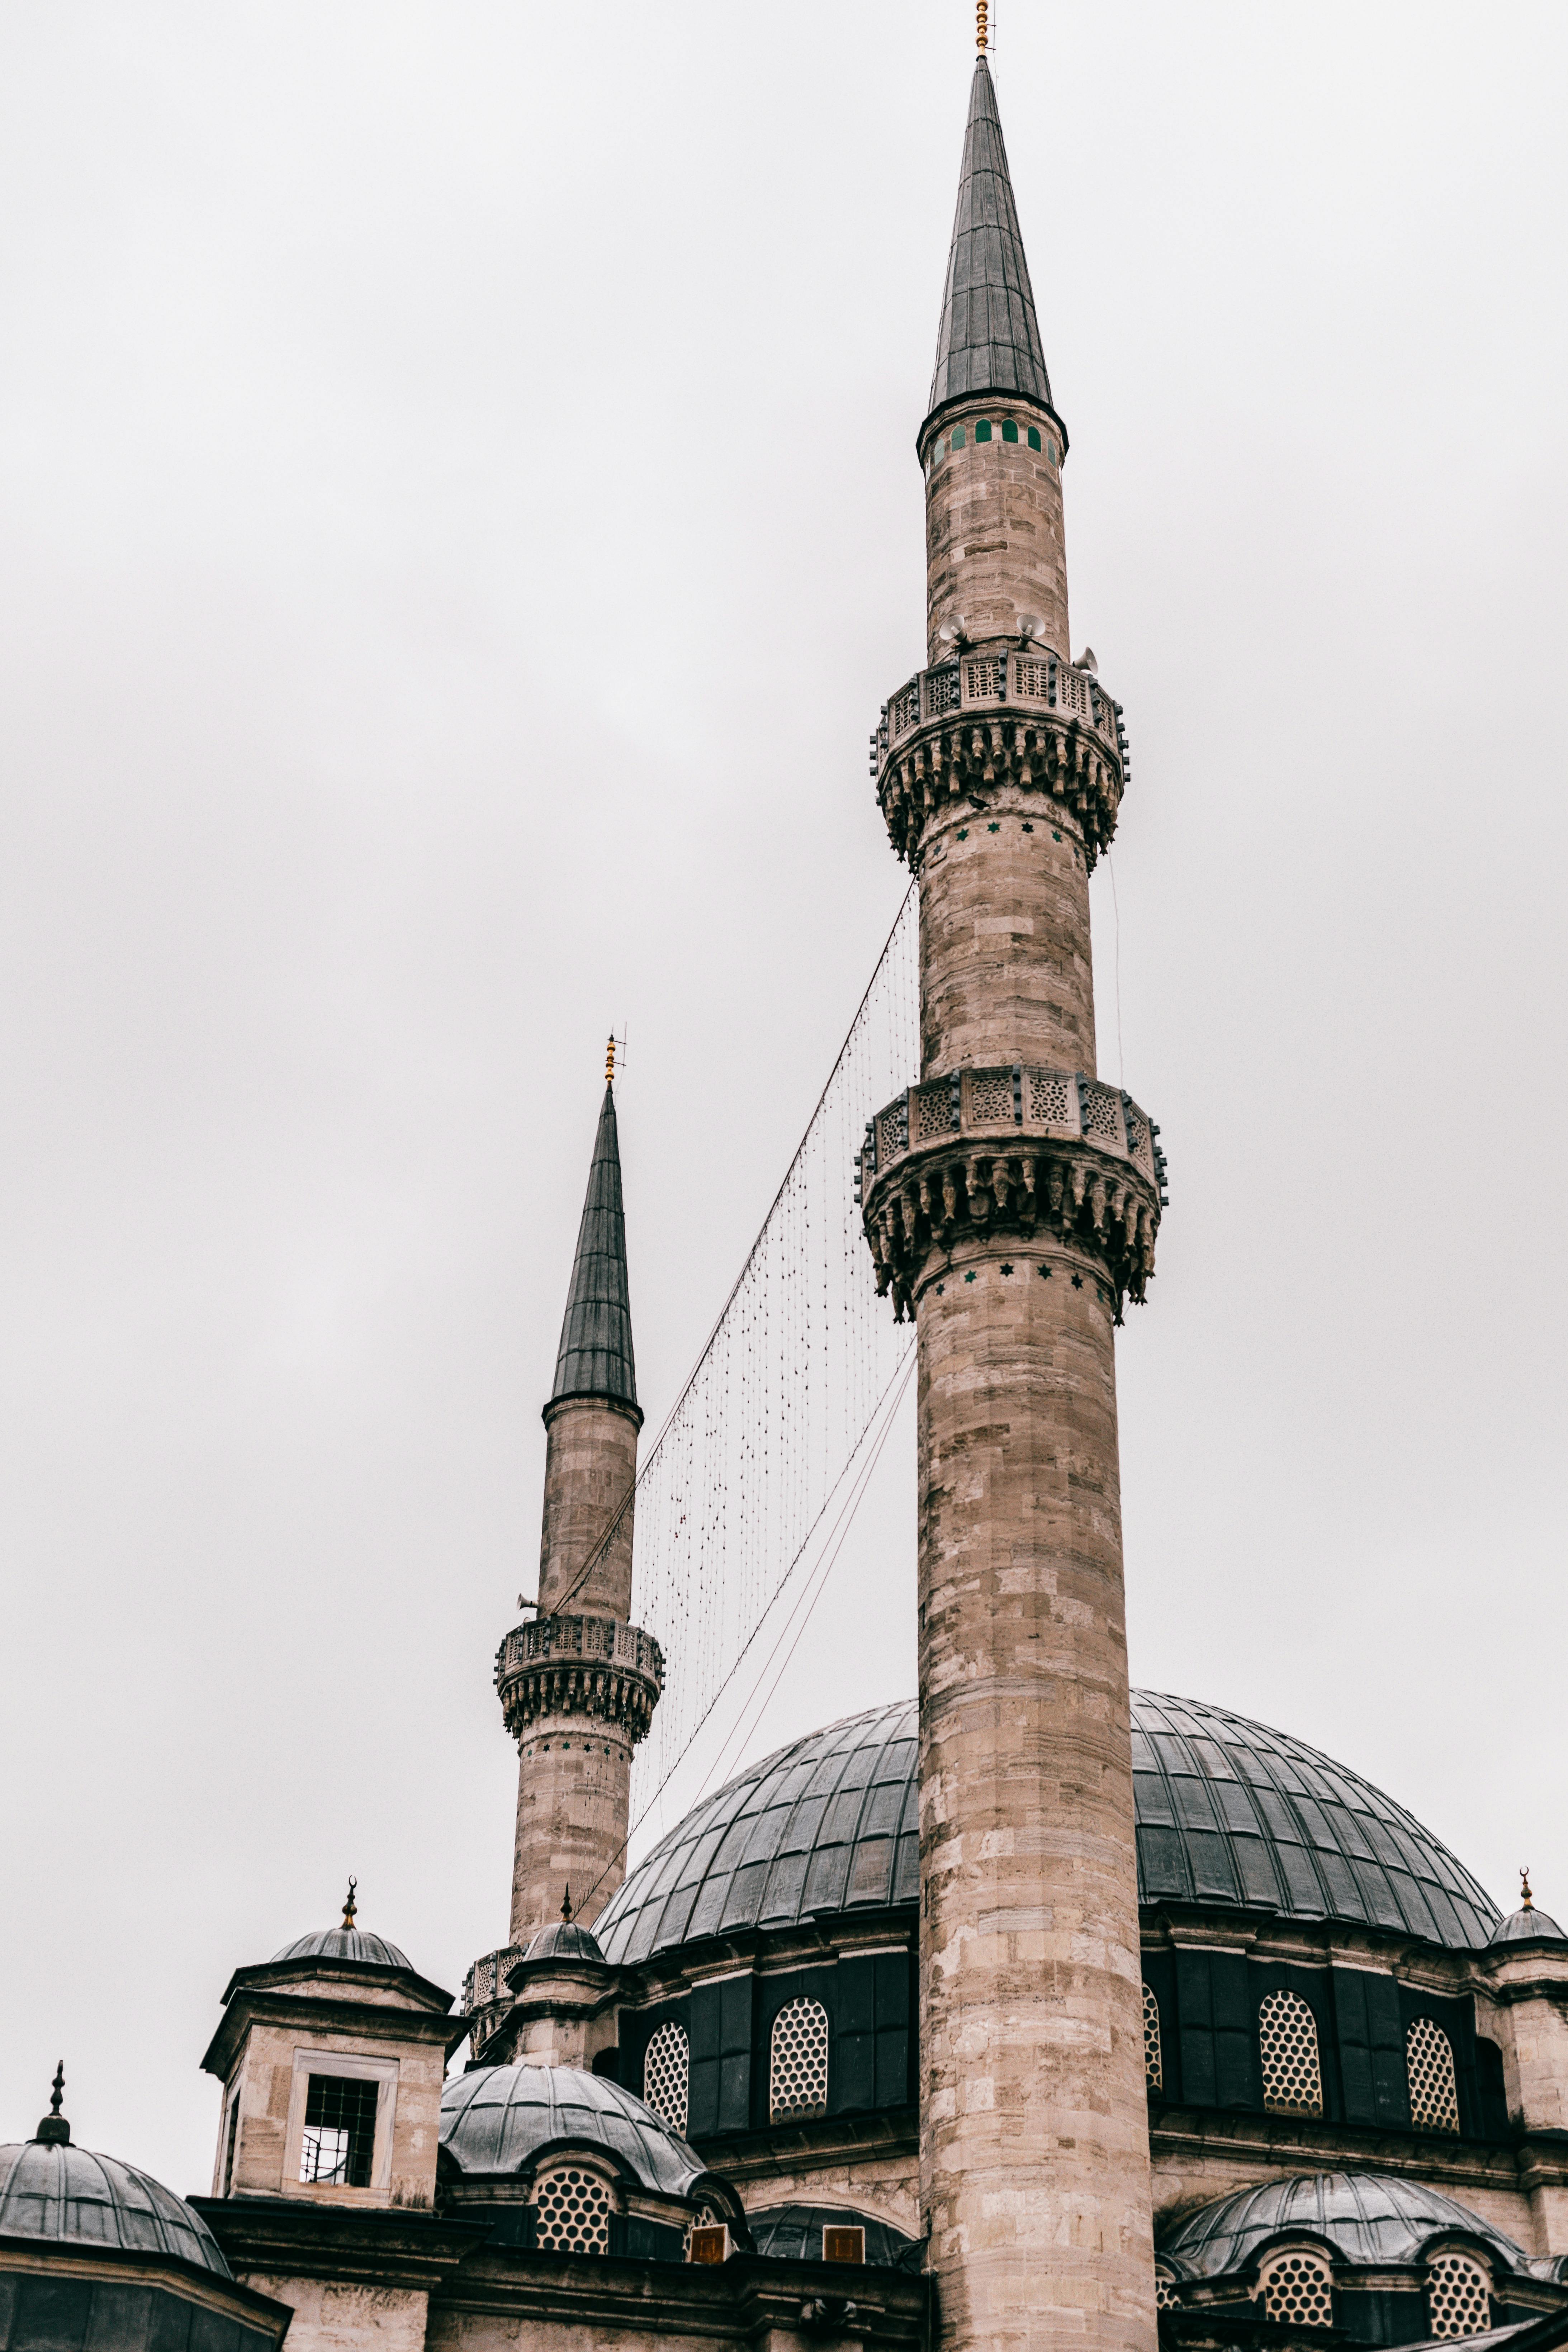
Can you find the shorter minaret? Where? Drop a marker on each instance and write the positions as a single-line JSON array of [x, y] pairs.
[[578, 1684]]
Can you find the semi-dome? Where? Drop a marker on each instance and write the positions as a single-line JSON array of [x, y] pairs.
[[344, 1944], [1368, 2218], [1230, 1812], [62, 2193], [794, 2233], [497, 2119]]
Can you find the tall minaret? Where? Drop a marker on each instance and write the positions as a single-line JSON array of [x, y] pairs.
[[578, 1684], [1011, 1201]]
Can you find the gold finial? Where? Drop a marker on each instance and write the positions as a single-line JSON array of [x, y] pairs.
[[610, 1061], [349, 1906], [1527, 1900], [566, 1906], [980, 14]]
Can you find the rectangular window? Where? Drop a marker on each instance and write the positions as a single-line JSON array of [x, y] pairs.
[[339, 2131], [843, 2244]]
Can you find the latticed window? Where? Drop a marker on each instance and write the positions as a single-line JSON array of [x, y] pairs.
[[572, 2211], [1288, 2042], [1164, 2291], [339, 2131], [1458, 2294], [665, 2073], [1154, 2072], [1434, 2093], [798, 2075], [1297, 2283]]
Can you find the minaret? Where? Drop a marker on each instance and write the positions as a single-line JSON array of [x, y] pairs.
[[578, 1684], [1011, 1201]]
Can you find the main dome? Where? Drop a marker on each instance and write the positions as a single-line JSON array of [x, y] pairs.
[[1229, 1812]]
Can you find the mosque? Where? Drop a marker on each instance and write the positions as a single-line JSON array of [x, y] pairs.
[[1030, 2012]]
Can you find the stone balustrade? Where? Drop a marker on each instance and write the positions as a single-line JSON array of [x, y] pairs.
[[1001, 717], [579, 1665], [1006, 1150]]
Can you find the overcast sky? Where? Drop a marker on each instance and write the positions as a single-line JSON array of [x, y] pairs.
[[459, 518]]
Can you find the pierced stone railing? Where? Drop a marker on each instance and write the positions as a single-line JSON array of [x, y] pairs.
[[486, 2001], [579, 1665], [1001, 717], [1005, 1151]]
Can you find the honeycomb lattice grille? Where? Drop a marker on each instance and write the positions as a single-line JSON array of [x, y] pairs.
[[571, 2209], [1165, 2292], [1287, 2041], [666, 2074], [1298, 2286], [1154, 2072], [798, 2075], [1434, 2093], [1458, 2294]]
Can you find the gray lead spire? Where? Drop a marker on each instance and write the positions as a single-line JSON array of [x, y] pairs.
[[595, 1357], [990, 337]]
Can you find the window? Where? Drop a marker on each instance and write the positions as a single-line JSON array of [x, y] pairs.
[[982, 430], [1458, 2294], [666, 2072], [339, 2131], [233, 2142], [1009, 429], [1033, 436], [1154, 2072], [1429, 2065], [798, 2075], [572, 2211], [1297, 2283], [844, 2243], [957, 441], [1164, 2289], [1288, 2042]]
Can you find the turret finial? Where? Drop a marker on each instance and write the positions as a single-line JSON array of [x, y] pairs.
[[1526, 1899], [610, 1061], [566, 1906], [979, 13], [54, 2130], [349, 1907]]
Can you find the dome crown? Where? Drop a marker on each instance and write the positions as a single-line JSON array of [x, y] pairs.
[[59, 2192], [1367, 2217], [344, 1944], [1230, 1814], [496, 2119]]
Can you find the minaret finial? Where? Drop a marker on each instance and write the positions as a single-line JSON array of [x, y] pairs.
[[349, 1907], [980, 12], [566, 1906], [610, 1061], [54, 2131], [1526, 1899]]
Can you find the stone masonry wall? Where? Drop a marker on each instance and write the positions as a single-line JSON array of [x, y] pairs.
[[995, 545]]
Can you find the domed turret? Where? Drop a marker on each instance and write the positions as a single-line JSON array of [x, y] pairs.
[[1527, 1924]]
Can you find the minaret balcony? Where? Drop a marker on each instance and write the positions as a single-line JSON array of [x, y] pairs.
[[1011, 1150], [996, 715], [563, 1665]]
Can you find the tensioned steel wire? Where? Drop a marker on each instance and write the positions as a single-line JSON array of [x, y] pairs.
[[776, 1416]]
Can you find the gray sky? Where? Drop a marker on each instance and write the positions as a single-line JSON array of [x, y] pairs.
[[458, 520]]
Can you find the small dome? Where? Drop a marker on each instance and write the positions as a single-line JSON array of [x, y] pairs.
[[344, 1944], [794, 2233], [565, 1941], [1230, 1815], [495, 2119], [1366, 2217], [61, 2194], [1527, 1926]]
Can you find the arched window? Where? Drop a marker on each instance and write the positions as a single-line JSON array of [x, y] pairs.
[[797, 2082], [1297, 2283], [1434, 2094], [1288, 2042], [572, 2211], [666, 2074], [1458, 2294], [1153, 2071], [1164, 2289]]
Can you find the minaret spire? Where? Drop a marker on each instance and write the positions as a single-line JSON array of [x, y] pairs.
[[989, 340], [595, 1357]]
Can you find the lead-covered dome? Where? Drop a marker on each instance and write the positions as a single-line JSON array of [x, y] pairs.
[[1228, 1811], [62, 2193], [497, 2119], [1367, 2217], [344, 1944]]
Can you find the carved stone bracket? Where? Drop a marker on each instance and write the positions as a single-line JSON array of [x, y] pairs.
[[579, 1665], [1012, 1151]]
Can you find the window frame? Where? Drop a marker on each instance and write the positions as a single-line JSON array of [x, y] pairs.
[[384, 2072]]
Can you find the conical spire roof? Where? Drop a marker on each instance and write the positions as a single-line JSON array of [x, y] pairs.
[[595, 1354], [990, 337]]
